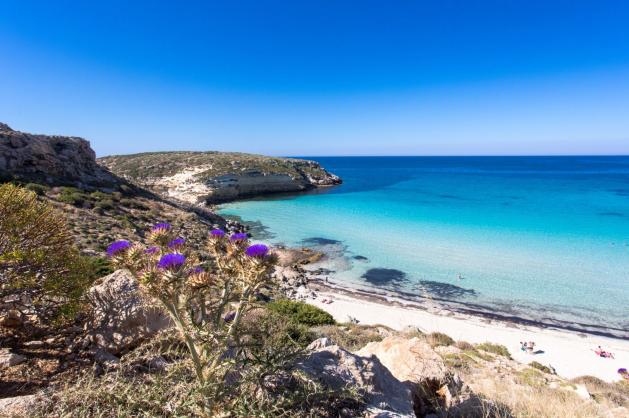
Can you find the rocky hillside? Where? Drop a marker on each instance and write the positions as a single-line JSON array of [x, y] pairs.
[[53, 160], [214, 177], [100, 207]]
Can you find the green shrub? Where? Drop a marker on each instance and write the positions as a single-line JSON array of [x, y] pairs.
[[126, 189], [38, 257], [301, 312], [39, 189], [436, 339], [106, 204], [134, 204], [498, 349], [540, 367], [98, 195], [351, 337], [464, 345], [531, 377], [72, 196], [99, 266]]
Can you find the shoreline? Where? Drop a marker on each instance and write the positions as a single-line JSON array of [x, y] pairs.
[[466, 309], [568, 347], [570, 353]]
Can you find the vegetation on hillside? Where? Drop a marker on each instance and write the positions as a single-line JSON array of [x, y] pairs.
[[140, 167], [39, 261]]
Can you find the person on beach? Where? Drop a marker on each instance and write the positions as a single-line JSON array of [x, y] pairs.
[[530, 347], [623, 373], [522, 345], [602, 353]]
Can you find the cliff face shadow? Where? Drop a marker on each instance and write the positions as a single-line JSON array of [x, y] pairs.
[[444, 290], [385, 277]]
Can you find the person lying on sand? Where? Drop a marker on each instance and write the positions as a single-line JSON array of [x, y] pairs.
[[602, 353], [623, 373]]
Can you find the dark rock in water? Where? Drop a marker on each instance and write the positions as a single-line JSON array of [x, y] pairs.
[[615, 214], [360, 258], [319, 241], [383, 277], [445, 290]]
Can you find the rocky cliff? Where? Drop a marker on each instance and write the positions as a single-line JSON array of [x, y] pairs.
[[215, 177], [54, 160]]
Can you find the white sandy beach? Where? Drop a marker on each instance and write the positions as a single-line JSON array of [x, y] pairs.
[[569, 353]]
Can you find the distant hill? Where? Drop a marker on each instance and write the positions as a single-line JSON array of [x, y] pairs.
[[213, 177]]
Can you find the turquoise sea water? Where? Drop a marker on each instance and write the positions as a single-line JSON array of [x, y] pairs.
[[537, 238]]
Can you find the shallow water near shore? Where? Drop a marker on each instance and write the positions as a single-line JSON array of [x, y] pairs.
[[540, 238]]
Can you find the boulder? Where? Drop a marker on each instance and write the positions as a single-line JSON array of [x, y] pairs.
[[18, 406], [122, 316], [12, 319], [9, 359], [435, 389], [339, 369]]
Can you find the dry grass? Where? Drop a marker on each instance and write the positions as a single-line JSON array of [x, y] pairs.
[[436, 339], [351, 337], [611, 394], [524, 401], [133, 389], [497, 349]]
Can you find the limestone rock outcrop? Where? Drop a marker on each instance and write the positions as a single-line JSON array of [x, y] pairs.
[[435, 390], [337, 368], [122, 316], [51, 159]]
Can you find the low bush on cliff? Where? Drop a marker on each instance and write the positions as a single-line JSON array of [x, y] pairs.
[[497, 349], [301, 312], [351, 337], [38, 259], [436, 339]]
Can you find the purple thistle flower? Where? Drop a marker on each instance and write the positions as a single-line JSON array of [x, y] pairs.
[[217, 233], [241, 236], [171, 261], [197, 270], [118, 247], [176, 243], [151, 250], [257, 250], [162, 226]]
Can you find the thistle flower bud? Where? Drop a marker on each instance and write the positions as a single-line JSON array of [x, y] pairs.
[[257, 251], [217, 234], [118, 248], [171, 261], [241, 236], [161, 234], [151, 250], [176, 243]]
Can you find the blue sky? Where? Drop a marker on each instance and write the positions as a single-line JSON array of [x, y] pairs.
[[321, 77]]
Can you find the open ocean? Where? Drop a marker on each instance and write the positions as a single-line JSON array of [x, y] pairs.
[[544, 239]]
